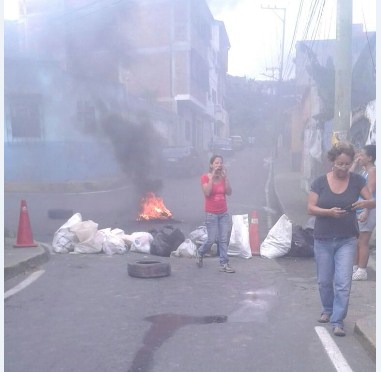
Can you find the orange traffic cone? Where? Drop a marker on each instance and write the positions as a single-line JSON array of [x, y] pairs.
[[254, 234], [24, 232]]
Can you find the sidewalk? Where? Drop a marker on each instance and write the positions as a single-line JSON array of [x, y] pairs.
[[20, 260], [362, 308]]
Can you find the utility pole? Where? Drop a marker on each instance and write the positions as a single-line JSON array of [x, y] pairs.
[[343, 70], [278, 122], [283, 19]]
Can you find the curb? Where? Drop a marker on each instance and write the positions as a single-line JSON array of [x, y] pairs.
[[27, 265], [364, 329]]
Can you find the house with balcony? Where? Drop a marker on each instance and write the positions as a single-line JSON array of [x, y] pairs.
[[178, 57]]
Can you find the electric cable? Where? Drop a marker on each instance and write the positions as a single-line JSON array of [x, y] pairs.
[[368, 43], [287, 74]]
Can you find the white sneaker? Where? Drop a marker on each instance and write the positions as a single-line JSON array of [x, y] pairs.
[[360, 274]]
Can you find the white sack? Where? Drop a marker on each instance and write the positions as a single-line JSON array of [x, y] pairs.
[[278, 240], [186, 249], [64, 239], [85, 232], [113, 242], [140, 242], [239, 244], [90, 245], [199, 236]]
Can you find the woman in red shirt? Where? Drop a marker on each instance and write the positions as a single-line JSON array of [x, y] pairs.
[[216, 186]]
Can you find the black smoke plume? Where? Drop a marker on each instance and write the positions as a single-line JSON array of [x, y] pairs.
[[137, 147]]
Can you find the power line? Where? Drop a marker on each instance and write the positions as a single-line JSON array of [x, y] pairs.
[[283, 19], [367, 39], [294, 37], [313, 11]]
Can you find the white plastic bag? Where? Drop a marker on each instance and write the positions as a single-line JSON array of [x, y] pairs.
[[278, 240], [85, 232], [140, 242], [199, 236], [239, 244], [186, 249], [113, 242], [64, 239]]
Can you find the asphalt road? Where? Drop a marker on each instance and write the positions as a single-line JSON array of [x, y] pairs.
[[86, 314]]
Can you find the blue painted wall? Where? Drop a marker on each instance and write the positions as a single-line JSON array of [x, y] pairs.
[[59, 161]]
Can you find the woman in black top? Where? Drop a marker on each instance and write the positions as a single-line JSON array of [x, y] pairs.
[[333, 199]]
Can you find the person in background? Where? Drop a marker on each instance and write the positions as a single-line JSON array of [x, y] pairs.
[[366, 218], [333, 199], [215, 186]]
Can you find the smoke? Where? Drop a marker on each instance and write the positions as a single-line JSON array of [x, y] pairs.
[[220, 6], [137, 147]]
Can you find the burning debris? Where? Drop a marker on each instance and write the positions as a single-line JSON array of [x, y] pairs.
[[152, 208]]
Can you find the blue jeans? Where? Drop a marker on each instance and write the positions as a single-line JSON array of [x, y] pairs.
[[334, 261], [218, 228]]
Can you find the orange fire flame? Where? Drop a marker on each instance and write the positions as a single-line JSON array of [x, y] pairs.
[[152, 208]]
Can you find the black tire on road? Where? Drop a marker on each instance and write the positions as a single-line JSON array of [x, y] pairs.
[[60, 213], [148, 269]]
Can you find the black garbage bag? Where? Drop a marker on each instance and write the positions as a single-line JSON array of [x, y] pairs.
[[302, 242], [166, 240]]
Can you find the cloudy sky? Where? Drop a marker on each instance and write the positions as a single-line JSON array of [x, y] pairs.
[[255, 33]]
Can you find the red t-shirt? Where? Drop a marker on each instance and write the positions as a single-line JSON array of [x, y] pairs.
[[216, 201]]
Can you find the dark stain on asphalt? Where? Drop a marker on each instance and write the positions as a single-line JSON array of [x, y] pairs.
[[162, 328]]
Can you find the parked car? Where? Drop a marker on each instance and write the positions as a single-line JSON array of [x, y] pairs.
[[181, 161], [237, 142], [221, 146]]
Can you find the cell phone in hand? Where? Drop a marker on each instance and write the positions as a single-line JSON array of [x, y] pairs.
[[348, 208]]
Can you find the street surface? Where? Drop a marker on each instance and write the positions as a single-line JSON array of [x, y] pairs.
[[85, 314], [247, 170]]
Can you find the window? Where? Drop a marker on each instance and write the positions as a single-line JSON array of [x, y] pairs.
[[25, 116], [199, 71], [187, 130], [214, 96]]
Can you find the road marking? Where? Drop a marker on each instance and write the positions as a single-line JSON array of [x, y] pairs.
[[333, 351], [120, 188], [29, 280]]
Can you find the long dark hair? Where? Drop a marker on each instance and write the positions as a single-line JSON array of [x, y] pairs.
[[370, 150]]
